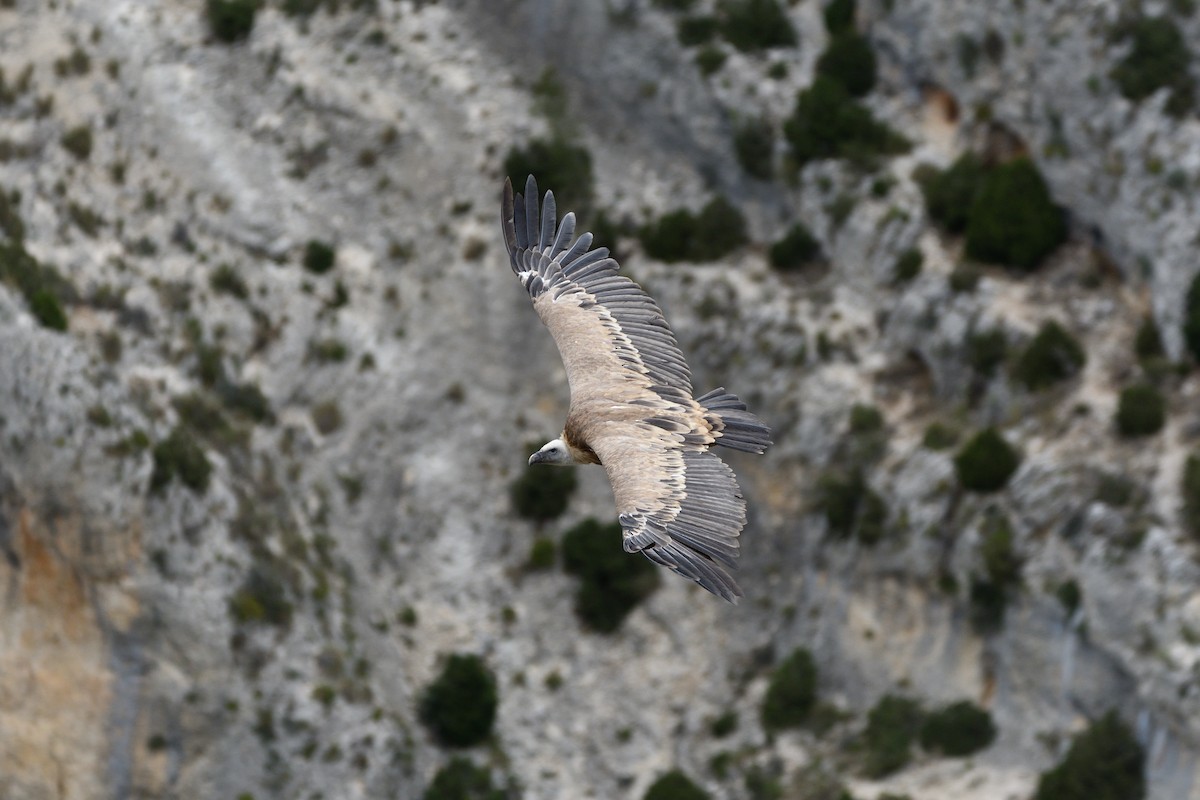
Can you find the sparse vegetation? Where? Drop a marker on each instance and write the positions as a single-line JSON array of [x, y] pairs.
[[797, 248], [459, 707], [710, 59], [792, 692], [754, 145], [1159, 59], [319, 257], [892, 726], [908, 265], [44, 289], [231, 20], [851, 507], [958, 729], [461, 779], [1052, 356], [261, 599], [1191, 318], [679, 235], [839, 16], [1191, 494], [827, 123], [1105, 762], [986, 462], [612, 582], [1141, 411], [542, 493], [998, 551], [226, 280], [542, 554], [986, 350], [1013, 220], [78, 142], [674, 785], [694, 31], [178, 456], [753, 25], [939, 436]]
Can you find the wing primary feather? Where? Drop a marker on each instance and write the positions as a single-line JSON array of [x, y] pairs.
[[549, 219], [565, 231], [577, 248], [531, 211]]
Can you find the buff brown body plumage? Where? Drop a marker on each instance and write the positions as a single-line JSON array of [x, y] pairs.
[[632, 408]]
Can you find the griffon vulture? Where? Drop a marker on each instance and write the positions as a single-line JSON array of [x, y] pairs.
[[632, 408]]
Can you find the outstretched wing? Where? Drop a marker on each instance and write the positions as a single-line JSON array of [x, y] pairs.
[[631, 398]]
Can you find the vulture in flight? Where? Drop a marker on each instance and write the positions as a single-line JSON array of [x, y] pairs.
[[632, 408]]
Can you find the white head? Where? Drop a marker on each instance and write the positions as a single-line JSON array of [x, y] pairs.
[[554, 451]]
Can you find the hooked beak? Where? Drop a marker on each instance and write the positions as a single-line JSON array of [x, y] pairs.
[[536, 458]]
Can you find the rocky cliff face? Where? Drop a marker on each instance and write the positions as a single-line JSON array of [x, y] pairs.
[[264, 626]]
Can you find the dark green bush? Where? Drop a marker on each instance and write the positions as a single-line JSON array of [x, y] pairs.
[[78, 142], [850, 61], [1013, 220], [542, 493], [987, 350], [675, 5], [679, 235], [792, 692], [827, 123], [1141, 411], [612, 582], [43, 288], [231, 20], [908, 265], [319, 257], [1105, 762], [839, 16], [751, 25], [1191, 494], [695, 31], [1159, 59], [950, 193], [986, 462], [939, 436], [47, 310], [459, 707], [460, 779], [754, 144], [11, 223], [247, 400], [226, 280], [261, 599], [724, 725], [1070, 595], [1147, 344], [1191, 318], [796, 249], [987, 604], [1052, 356], [865, 419], [559, 165], [851, 507], [542, 554], [675, 786], [710, 59], [997, 548], [959, 729], [178, 456], [891, 727]]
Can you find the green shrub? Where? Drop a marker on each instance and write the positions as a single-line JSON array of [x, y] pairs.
[[1147, 344], [710, 59], [1012, 219], [675, 786], [959, 729], [1052, 356], [986, 462], [47, 310], [542, 493], [1105, 762], [694, 31], [988, 602], [891, 727], [964, 278], [559, 165], [724, 725], [542, 554], [987, 350], [950, 193], [908, 265], [247, 400], [459, 707], [865, 419], [850, 61], [319, 257], [231, 20], [999, 554], [612, 582], [939, 436], [1159, 59], [11, 223], [839, 16], [679, 235], [226, 280], [1070, 595], [1191, 494], [460, 779], [792, 692], [1191, 318], [178, 456], [751, 25], [1141, 411], [261, 599], [754, 145], [827, 123], [43, 288], [851, 506], [796, 249], [675, 5], [78, 142]]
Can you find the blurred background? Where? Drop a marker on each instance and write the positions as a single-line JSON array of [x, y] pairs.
[[268, 388]]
